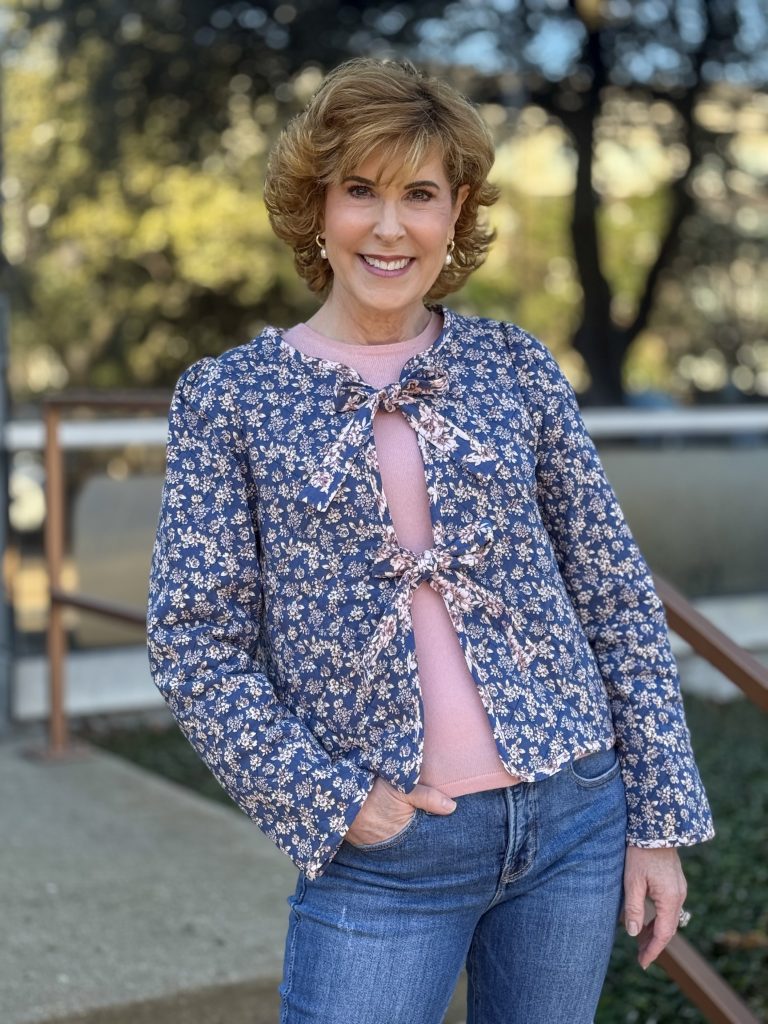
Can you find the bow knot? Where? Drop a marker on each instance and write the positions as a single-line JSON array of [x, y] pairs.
[[413, 396], [351, 395], [444, 568], [466, 550], [431, 561]]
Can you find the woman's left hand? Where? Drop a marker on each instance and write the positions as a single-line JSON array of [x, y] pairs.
[[657, 874]]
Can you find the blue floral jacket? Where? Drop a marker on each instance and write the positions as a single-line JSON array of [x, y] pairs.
[[279, 611]]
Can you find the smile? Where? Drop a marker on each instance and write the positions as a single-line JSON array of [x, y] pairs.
[[395, 264]]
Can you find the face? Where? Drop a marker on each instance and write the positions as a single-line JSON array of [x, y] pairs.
[[387, 243]]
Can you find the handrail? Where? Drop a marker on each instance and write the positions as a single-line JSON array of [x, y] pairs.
[[716, 1000], [716, 647], [602, 423], [709, 993], [59, 744], [97, 605]]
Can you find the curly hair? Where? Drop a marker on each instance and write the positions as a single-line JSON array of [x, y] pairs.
[[366, 105]]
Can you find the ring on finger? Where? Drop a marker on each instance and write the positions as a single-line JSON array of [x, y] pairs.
[[683, 918]]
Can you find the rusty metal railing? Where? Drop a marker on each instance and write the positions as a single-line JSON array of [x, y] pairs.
[[59, 743], [705, 988], [702, 985], [714, 646]]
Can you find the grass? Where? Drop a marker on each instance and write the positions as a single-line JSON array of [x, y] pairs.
[[727, 877]]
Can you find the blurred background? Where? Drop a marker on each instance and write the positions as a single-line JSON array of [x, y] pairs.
[[632, 157]]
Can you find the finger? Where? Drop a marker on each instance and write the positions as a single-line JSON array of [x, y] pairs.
[[431, 799], [660, 932], [643, 942], [634, 903]]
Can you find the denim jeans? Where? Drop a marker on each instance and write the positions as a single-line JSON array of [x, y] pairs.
[[522, 884]]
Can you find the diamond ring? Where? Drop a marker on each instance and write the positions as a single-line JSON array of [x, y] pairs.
[[684, 918]]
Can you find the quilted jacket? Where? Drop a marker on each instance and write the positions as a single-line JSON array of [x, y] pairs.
[[279, 621]]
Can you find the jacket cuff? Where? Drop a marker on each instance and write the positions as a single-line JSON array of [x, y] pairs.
[[315, 864], [666, 801], [687, 839]]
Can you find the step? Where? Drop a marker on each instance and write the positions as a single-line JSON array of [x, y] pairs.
[[122, 888]]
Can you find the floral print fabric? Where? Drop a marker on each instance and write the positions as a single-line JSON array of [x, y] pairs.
[[279, 622]]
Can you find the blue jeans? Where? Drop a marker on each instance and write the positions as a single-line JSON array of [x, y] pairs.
[[522, 884]]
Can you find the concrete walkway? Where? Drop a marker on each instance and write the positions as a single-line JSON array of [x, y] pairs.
[[119, 886], [126, 899]]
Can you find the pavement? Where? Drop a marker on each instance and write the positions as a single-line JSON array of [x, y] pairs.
[[127, 898]]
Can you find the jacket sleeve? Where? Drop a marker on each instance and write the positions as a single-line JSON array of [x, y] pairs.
[[203, 622], [612, 591]]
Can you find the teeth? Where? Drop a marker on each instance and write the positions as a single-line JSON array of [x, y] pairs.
[[386, 264]]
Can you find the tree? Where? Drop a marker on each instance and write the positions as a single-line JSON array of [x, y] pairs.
[[570, 59], [151, 125], [139, 129]]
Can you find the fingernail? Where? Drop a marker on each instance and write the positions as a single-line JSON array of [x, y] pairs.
[[633, 928], [449, 805]]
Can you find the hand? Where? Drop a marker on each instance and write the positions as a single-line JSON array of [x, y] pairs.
[[386, 811], [657, 874]]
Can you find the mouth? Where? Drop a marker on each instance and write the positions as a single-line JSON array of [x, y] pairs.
[[390, 265]]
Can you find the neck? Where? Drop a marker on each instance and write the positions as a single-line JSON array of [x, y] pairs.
[[368, 327]]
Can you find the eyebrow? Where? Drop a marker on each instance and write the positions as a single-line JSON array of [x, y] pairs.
[[411, 184]]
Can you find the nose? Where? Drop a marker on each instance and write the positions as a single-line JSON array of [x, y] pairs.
[[389, 226]]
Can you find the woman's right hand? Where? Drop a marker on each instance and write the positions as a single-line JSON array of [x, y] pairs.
[[386, 811]]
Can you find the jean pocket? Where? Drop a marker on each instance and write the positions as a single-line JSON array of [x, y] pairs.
[[390, 841], [595, 769]]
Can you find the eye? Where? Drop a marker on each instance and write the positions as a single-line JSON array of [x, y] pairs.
[[420, 195], [358, 191]]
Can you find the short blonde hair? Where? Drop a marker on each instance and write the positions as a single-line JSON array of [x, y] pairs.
[[366, 105]]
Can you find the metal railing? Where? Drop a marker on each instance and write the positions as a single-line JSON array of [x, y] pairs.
[[602, 424], [59, 743], [706, 989]]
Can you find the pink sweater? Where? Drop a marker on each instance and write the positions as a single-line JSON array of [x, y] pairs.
[[460, 753]]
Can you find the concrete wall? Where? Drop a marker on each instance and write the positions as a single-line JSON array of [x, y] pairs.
[[700, 515]]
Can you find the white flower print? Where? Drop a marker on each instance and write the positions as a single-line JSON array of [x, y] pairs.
[[279, 622]]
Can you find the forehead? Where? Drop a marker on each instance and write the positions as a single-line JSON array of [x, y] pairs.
[[385, 167]]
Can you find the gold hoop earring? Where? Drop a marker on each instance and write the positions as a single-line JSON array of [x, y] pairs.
[[319, 243], [448, 256]]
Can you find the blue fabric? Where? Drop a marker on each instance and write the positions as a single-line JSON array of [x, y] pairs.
[[522, 884], [279, 609]]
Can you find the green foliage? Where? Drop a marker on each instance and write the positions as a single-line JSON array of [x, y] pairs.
[[135, 141], [135, 223]]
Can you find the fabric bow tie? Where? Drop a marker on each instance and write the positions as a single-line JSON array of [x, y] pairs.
[[412, 396], [443, 567], [466, 549]]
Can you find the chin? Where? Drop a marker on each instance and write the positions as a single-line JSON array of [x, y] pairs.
[[390, 303]]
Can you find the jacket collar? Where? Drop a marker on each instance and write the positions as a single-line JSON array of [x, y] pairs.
[[422, 383]]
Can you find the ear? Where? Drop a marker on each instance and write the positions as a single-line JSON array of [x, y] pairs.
[[461, 194]]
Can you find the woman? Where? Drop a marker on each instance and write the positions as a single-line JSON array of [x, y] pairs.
[[397, 610]]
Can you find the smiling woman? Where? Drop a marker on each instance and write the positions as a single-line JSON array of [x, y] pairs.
[[378, 116], [387, 244], [396, 607]]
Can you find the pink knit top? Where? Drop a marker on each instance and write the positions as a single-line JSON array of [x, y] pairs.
[[460, 753]]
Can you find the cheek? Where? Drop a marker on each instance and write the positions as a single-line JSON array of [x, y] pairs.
[[439, 229], [435, 240], [340, 221]]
